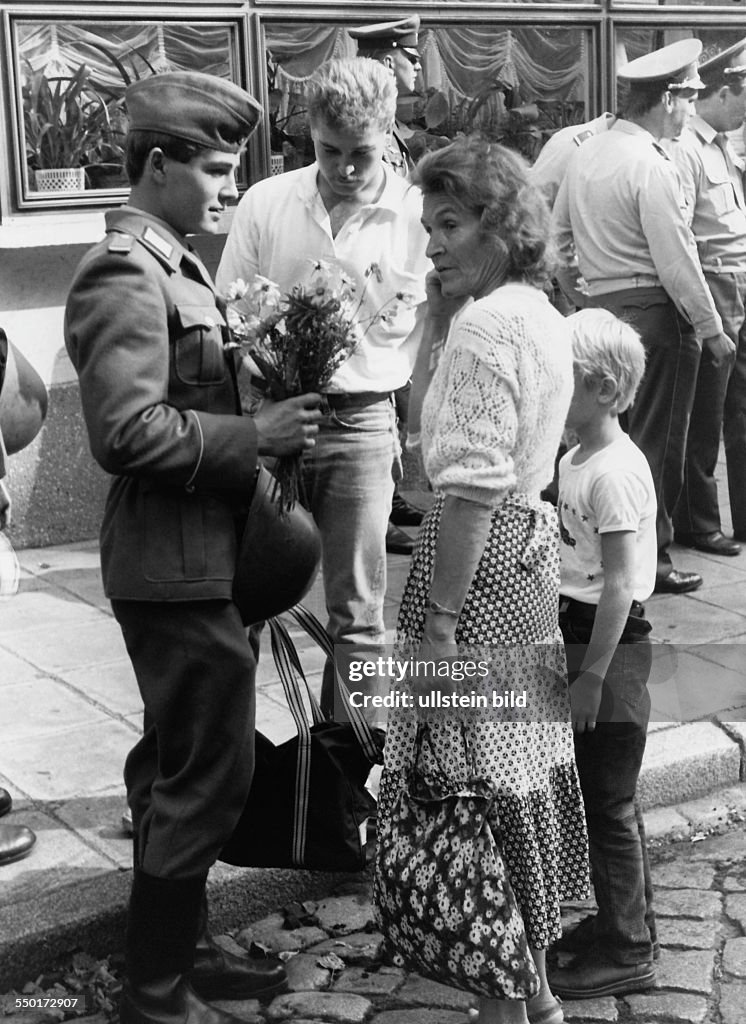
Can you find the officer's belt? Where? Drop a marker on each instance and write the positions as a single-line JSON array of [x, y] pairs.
[[620, 284], [723, 268]]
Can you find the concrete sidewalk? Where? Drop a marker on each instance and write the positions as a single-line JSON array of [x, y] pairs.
[[71, 711]]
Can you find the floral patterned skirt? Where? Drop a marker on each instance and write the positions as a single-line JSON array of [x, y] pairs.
[[509, 620]]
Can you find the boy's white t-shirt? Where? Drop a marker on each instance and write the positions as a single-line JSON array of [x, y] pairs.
[[612, 490]]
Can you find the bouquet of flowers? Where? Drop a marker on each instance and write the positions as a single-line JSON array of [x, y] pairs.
[[299, 340]]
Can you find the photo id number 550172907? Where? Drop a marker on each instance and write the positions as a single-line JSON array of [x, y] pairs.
[[50, 1003]]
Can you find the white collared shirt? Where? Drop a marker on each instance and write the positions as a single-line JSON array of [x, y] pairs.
[[281, 227], [714, 194], [622, 206]]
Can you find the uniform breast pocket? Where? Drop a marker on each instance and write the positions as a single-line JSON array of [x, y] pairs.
[[719, 189], [198, 345]]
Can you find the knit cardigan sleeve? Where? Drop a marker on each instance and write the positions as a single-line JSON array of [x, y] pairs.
[[471, 412]]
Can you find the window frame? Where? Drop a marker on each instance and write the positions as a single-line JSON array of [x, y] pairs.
[[16, 195]]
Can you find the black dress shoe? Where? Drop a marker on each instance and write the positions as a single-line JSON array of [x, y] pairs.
[[218, 974], [404, 514], [15, 842], [398, 542], [593, 975], [678, 582], [168, 1000], [714, 543], [6, 802]]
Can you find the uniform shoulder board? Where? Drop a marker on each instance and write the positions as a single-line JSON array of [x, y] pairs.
[[580, 138], [119, 242]]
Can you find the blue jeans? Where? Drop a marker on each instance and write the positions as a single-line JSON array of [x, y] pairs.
[[609, 761], [349, 478]]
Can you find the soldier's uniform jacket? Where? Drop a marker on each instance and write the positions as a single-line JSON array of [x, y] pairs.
[[396, 153], [146, 335]]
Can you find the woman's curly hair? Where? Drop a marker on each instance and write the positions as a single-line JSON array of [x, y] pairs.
[[495, 183]]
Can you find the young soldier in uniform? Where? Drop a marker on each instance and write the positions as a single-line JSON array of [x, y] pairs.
[[620, 208], [395, 45], [712, 179], [146, 334]]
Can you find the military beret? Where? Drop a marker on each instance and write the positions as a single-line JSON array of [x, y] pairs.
[[675, 65], [203, 109], [386, 35], [730, 63]]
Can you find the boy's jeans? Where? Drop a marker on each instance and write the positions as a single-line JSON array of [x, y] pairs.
[[609, 761]]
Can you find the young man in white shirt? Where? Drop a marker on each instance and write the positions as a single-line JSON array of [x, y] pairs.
[[351, 210]]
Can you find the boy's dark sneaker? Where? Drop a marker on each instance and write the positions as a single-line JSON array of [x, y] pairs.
[[592, 975], [582, 937]]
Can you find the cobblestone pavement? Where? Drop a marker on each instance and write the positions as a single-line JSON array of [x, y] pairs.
[[337, 976]]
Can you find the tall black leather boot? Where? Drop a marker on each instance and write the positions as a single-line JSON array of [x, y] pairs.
[[162, 928], [218, 974]]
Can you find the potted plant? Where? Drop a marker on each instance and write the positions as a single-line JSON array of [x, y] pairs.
[[74, 130], [63, 118]]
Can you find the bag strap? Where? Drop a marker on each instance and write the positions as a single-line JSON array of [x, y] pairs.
[[289, 667], [291, 654], [303, 761], [363, 732]]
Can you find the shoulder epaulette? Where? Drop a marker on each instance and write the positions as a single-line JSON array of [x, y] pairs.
[[119, 242], [580, 138]]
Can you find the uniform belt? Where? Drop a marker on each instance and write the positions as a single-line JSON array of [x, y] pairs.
[[620, 284], [723, 268]]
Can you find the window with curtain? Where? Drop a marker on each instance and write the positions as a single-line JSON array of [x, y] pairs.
[[517, 84], [70, 79]]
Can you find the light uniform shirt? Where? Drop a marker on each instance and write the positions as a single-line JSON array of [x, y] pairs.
[[551, 164], [281, 228], [612, 491], [713, 189], [622, 206]]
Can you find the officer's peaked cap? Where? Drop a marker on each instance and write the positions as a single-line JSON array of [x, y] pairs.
[[730, 63], [387, 35], [674, 66]]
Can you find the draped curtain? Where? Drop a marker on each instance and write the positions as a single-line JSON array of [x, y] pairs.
[[542, 63], [58, 48]]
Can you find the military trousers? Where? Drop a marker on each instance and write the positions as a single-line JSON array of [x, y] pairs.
[[658, 422], [719, 407], [189, 775]]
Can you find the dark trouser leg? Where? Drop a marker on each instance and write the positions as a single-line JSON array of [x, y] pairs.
[[609, 761], [189, 776], [697, 510], [734, 433], [658, 421]]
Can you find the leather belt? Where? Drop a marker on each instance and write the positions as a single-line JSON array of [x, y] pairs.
[[620, 284], [344, 399], [333, 399]]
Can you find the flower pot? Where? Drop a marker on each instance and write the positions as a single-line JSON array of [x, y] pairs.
[[60, 179], [276, 164]]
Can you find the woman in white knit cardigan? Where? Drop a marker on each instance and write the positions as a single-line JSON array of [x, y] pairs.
[[484, 578]]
